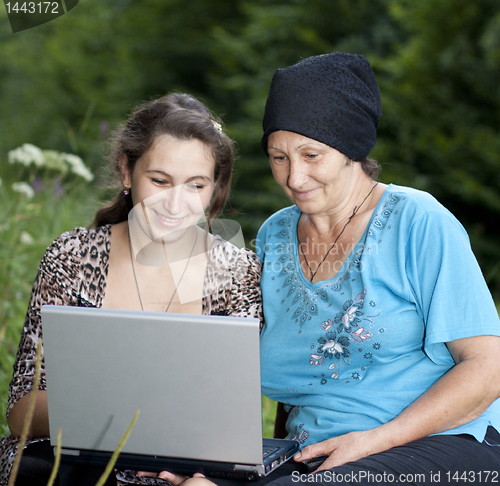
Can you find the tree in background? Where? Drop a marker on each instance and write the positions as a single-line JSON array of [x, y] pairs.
[[63, 85], [441, 98]]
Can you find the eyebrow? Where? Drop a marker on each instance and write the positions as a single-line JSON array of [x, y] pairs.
[[165, 174], [312, 145]]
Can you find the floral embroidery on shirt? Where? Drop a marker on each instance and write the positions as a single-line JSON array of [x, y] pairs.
[[334, 347]]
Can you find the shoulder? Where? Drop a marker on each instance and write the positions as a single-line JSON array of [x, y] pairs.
[[281, 224], [233, 278], [226, 255], [280, 218], [408, 220], [81, 237], [73, 246], [419, 208], [416, 201], [277, 230]]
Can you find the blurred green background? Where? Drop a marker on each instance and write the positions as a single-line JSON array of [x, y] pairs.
[[65, 84]]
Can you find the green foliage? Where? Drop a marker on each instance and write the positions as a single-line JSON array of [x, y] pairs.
[[268, 416], [38, 202], [441, 98]]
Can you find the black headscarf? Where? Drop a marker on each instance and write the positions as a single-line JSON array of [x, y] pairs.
[[332, 98]]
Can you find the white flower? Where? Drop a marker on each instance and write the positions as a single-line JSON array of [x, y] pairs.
[[54, 161], [26, 238], [27, 154], [78, 167], [72, 160], [24, 188]]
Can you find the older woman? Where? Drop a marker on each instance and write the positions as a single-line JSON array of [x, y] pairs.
[[381, 337]]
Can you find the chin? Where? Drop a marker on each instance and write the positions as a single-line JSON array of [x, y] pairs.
[[306, 207], [173, 235]]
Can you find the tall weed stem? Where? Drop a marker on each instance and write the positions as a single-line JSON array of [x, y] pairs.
[[116, 453], [29, 417]]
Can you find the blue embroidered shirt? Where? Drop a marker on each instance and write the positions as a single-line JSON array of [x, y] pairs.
[[351, 353]]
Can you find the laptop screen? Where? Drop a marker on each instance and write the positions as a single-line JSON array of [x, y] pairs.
[[195, 380]]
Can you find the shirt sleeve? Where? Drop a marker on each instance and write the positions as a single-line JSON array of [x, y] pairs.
[[54, 284], [450, 292], [246, 297]]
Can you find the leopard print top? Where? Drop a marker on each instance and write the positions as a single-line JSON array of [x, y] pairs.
[[73, 272]]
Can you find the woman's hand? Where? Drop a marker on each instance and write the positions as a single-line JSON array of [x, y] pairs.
[[172, 478], [345, 448]]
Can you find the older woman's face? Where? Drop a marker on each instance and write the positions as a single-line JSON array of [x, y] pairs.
[[315, 176]]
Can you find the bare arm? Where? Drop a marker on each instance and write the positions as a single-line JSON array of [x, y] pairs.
[[460, 396], [39, 425]]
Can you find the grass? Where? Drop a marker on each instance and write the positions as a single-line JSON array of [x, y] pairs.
[[29, 221], [268, 416]]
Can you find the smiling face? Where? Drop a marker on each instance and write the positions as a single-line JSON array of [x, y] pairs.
[[171, 186], [316, 177]]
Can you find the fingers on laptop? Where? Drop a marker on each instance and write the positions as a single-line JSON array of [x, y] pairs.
[[146, 474]]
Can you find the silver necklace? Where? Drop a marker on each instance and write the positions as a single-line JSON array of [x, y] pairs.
[[354, 212], [165, 252]]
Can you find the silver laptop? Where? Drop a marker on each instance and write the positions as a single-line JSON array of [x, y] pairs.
[[194, 379]]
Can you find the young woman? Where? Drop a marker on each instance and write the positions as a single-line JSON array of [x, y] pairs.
[[146, 252]]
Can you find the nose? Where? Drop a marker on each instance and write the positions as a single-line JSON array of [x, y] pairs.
[[173, 200], [297, 175]]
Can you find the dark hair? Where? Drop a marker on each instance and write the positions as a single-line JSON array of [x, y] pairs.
[[180, 116], [371, 167]]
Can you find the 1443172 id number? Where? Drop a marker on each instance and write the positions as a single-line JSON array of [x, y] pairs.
[[33, 7], [473, 477]]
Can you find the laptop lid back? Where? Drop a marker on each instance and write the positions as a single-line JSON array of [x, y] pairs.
[[194, 379]]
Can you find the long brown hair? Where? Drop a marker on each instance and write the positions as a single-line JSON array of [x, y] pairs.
[[178, 115]]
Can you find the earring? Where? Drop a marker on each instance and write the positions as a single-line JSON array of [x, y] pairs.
[[126, 192]]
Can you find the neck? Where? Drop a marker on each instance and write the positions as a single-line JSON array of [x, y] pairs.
[[356, 201], [163, 251]]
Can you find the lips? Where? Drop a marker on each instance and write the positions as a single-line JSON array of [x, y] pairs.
[[304, 194], [169, 222]]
